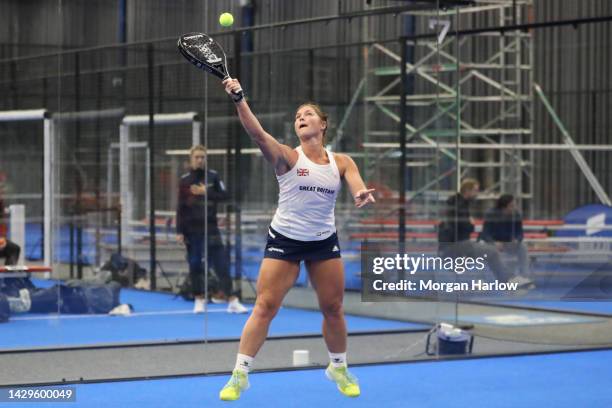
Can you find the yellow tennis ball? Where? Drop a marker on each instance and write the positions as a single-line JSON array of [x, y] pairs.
[[226, 19]]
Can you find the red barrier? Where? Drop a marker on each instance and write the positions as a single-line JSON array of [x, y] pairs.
[[24, 268]]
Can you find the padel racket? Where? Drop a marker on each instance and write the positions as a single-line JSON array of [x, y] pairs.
[[205, 53]]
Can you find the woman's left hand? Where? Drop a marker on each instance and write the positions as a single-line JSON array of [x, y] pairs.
[[364, 197]]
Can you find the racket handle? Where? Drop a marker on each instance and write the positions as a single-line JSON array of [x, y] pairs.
[[236, 96]]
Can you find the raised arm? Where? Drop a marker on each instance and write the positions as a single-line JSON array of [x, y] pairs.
[[282, 157], [348, 169]]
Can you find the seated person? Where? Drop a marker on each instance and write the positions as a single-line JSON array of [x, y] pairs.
[[456, 227], [16, 289], [503, 226], [9, 251]]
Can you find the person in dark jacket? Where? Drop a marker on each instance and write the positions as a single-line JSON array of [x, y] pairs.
[[454, 234], [503, 227], [17, 290], [196, 225], [9, 251], [457, 222]]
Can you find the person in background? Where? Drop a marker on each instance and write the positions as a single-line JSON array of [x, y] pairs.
[[17, 290], [9, 251], [454, 234], [503, 227], [196, 225]]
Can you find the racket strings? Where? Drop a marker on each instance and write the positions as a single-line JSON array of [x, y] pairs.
[[208, 54]]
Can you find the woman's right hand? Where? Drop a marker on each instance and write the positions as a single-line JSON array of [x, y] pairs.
[[232, 87]]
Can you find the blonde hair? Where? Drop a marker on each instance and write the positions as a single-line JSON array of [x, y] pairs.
[[468, 184], [321, 114], [196, 148]]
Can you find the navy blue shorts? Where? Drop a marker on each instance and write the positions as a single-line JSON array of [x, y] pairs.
[[281, 247]]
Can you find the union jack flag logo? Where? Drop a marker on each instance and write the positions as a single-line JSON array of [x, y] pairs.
[[302, 172]]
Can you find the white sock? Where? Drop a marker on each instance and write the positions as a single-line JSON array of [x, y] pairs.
[[337, 359], [244, 363]]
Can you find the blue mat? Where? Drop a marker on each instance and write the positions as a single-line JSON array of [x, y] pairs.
[[162, 317], [594, 307], [529, 381], [517, 317], [585, 307]]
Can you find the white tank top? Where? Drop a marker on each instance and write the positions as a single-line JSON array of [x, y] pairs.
[[307, 198]]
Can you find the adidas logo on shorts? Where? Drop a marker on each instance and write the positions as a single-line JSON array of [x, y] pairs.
[[335, 248], [282, 251]]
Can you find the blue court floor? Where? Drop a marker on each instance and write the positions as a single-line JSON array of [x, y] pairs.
[[572, 380], [160, 317]]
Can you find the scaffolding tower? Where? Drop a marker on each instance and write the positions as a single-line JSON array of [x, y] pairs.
[[473, 88]]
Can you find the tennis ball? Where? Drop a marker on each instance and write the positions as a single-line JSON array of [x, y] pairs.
[[226, 19]]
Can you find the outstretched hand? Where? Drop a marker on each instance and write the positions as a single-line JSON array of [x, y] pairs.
[[364, 197]]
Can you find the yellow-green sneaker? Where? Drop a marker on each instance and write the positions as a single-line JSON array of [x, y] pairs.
[[347, 383], [237, 383]]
